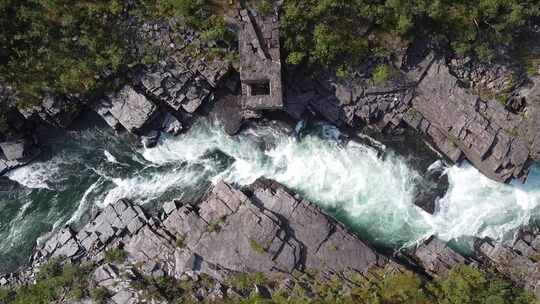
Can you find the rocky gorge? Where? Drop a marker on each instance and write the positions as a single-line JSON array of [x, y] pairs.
[[258, 191]]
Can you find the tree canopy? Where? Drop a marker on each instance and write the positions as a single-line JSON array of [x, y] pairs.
[[329, 32]]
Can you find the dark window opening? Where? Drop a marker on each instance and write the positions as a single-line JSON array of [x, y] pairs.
[[260, 88]]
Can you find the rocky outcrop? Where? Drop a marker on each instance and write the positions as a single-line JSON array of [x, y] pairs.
[[426, 96], [17, 152], [58, 111], [520, 260], [264, 228], [480, 129], [436, 258], [128, 108]]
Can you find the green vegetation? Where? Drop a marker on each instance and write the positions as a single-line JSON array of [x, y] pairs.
[[55, 282], [256, 246], [115, 255], [331, 32], [463, 285], [382, 74], [61, 47], [215, 226], [99, 295], [180, 241]]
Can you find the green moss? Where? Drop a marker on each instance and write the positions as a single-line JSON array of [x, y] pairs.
[[180, 241], [256, 246], [215, 226], [264, 7], [333, 247]]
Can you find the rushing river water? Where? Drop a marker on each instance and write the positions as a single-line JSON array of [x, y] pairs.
[[373, 195]]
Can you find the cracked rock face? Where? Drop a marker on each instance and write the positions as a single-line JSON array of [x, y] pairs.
[[264, 228], [428, 98], [128, 108], [518, 260]]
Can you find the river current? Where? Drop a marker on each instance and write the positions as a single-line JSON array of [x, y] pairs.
[[373, 194]]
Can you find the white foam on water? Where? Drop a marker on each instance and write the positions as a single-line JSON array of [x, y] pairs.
[[35, 175], [83, 204], [477, 206], [110, 158], [143, 189], [374, 195]]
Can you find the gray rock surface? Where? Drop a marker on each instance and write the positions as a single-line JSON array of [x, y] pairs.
[[16, 149], [127, 107], [56, 111], [427, 97], [436, 258], [262, 229], [16, 153], [518, 260]]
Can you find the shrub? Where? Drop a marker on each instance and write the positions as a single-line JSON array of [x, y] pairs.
[[115, 255], [99, 294], [382, 74], [465, 284], [54, 282], [333, 32]]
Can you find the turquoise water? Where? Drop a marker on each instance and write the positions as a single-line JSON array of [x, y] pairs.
[[374, 195]]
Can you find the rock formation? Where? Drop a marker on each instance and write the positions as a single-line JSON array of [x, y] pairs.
[[264, 228], [427, 97], [518, 260]]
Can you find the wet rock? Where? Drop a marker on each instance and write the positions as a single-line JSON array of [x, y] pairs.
[[150, 139], [171, 124], [228, 112], [7, 185]]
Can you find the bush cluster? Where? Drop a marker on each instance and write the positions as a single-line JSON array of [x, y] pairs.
[[462, 285], [334, 32], [55, 282], [63, 47]]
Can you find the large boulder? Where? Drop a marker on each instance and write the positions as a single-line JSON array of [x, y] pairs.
[[128, 108], [16, 149]]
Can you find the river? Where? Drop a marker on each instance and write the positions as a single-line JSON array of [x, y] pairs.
[[372, 193]]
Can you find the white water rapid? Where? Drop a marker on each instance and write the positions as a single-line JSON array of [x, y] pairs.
[[371, 194]]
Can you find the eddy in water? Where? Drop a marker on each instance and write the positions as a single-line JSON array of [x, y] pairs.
[[374, 195]]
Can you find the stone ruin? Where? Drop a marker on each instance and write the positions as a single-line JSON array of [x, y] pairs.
[[260, 61]]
